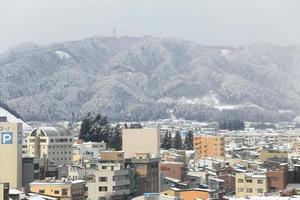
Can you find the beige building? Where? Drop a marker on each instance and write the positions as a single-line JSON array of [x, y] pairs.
[[4, 191], [61, 189], [11, 153], [52, 143], [141, 140], [250, 184], [111, 181]]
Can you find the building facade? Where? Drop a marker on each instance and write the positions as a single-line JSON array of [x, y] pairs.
[[141, 140], [110, 182], [250, 184], [62, 189], [52, 143], [209, 146], [11, 153]]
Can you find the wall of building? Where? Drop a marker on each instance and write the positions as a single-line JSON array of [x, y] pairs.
[[207, 145], [11, 154], [141, 140]]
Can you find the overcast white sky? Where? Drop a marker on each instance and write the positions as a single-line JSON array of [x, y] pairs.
[[209, 22]]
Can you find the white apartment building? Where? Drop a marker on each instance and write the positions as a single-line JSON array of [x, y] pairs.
[[52, 143], [89, 150], [111, 182]]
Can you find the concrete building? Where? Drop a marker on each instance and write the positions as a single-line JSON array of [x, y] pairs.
[[265, 155], [277, 178], [190, 194], [30, 171], [250, 184], [10, 153], [89, 150], [141, 140], [176, 170], [209, 146], [62, 189], [52, 143], [4, 191], [110, 181], [147, 178]]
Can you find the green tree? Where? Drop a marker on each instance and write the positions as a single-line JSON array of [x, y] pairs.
[[165, 139], [189, 141], [85, 129], [177, 142], [115, 140]]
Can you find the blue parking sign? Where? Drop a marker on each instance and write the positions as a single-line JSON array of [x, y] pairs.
[[6, 138]]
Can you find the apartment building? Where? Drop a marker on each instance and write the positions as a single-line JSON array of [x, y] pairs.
[[250, 184], [10, 153], [62, 189], [141, 140], [147, 173], [52, 143], [209, 146], [88, 150], [110, 182]]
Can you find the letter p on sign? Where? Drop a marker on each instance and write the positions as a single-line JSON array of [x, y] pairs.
[[6, 138]]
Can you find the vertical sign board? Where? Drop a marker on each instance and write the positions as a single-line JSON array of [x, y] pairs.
[[6, 137]]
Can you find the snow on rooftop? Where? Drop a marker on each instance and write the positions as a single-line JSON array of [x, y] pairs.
[[12, 118]]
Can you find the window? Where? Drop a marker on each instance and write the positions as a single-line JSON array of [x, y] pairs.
[[102, 188], [240, 180], [260, 181], [260, 190], [56, 192], [249, 190], [241, 190], [64, 192], [102, 179], [249, 181], [41, 191], [104, 167]]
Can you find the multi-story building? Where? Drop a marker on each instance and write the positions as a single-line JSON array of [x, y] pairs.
[[250, 184], [63, 189], [141, 140], [52, 143], [89, 150], [10, 153], [147, 173], [30, 171], [110, 181], [209, 146], [278, 178]]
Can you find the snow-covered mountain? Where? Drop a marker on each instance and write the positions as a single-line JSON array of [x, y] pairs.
[[140, 78], [12, 118]]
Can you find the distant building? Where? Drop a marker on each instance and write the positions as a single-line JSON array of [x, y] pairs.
[[111, 181], [52, 143], [89, 150], [141, 140], [176, 170], [10, 153], [30, 171], [190, 194], [277, 178], [147, 178], [250, 184], [209, 146], [266, 154], [61, 189]]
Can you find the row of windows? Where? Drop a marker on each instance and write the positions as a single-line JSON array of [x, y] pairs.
[[259, 181], [61, 159], [250, 190], [63, 192], [61, 140], [115, 178], [60, 152]]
